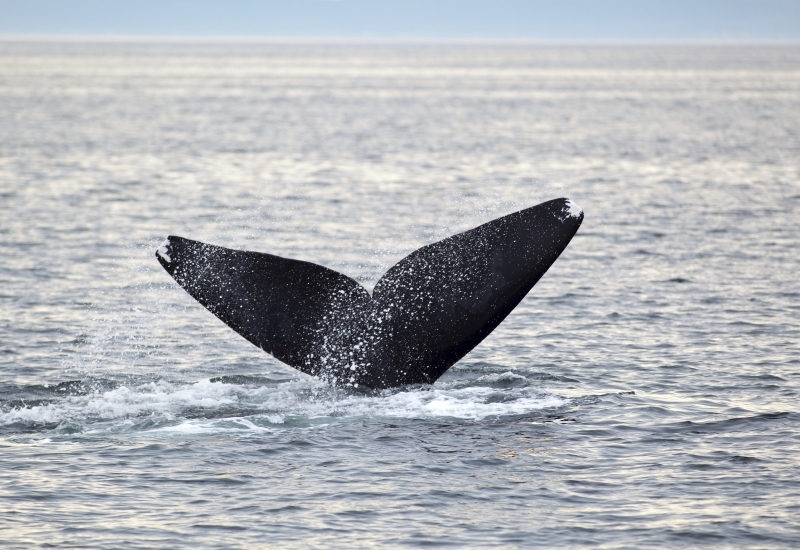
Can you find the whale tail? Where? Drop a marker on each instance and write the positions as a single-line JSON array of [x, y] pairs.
[[425, 313]]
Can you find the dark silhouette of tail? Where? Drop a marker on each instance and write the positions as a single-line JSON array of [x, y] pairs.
[[426, 312]]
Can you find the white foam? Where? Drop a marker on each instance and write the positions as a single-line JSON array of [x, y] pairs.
[[472, 403], [204, 427], [163, 407], [160, 398], [163, 251]]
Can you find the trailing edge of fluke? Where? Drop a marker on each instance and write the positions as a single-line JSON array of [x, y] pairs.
[[425, 313]]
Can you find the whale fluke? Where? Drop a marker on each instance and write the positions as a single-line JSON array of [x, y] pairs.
[[425, 313]]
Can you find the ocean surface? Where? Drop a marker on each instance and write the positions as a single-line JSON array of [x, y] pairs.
[[644, 394]]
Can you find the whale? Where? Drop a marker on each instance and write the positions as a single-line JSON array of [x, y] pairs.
[[424, 314]]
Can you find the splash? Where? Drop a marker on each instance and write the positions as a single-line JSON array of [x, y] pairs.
[[207, 407]]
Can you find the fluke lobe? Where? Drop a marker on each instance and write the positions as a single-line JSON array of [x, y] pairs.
[[425, 313]]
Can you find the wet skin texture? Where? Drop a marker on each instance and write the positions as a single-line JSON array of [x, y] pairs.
[[427, 312]]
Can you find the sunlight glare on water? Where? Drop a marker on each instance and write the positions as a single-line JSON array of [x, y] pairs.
[[644, 393]]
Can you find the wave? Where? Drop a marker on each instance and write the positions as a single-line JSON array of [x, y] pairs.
[[237, 404]]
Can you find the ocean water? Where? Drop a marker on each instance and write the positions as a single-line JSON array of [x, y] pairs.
[[644, 394]]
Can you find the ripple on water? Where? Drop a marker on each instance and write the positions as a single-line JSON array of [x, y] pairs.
[[644, 394]]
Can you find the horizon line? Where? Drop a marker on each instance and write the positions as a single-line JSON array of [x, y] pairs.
[[232, 39]]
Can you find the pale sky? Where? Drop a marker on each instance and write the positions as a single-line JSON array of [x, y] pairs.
[[757, 20]]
